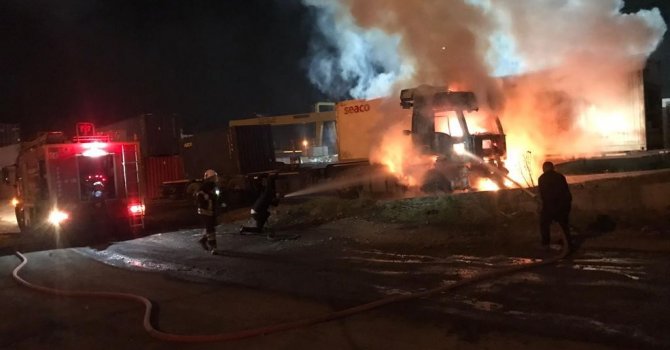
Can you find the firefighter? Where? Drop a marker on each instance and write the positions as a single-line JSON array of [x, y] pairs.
[[260, 210], [556, 201], [209, 204]]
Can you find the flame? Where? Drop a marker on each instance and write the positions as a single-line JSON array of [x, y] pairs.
[[524, 154], [398, 154], [485, 184]]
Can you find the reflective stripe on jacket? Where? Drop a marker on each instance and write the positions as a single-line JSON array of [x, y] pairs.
[[202, 211], [205, 204]]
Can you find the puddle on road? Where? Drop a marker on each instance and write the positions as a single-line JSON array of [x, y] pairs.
[[631, 267], [519, 277], [386, 272], [582, 324], [391, 291], [377, 256], [629, 272], [116, 259], [482, 305]]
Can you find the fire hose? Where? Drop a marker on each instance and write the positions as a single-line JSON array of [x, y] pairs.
[[248, 333]]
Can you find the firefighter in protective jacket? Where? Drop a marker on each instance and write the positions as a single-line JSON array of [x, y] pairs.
[[209, 205], [260, 210]]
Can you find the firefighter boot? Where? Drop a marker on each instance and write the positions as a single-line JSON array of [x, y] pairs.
[[203, 243], [211, 243]]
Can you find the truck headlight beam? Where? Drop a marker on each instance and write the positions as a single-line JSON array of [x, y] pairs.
[[57, 217]]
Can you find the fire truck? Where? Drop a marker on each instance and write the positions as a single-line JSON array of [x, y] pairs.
[[85, 184]]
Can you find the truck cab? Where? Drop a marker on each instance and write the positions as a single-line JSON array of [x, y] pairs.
[[464, 155]]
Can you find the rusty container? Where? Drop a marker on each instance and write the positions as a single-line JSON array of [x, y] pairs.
[[159, 170]]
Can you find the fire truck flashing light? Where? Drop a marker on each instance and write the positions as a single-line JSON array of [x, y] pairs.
[[94, 149]]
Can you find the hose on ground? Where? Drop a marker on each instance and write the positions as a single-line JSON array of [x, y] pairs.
[[248, 333]]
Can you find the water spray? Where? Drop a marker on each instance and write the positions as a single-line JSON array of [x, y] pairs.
[[336, 184]]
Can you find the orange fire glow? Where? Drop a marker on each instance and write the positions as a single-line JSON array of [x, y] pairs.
[[486, 185], [538, 126]]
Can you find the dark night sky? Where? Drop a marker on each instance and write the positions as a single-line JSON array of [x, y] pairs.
[[208, 61]]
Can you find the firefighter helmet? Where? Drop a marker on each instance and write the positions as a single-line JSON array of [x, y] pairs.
[[210, 173]]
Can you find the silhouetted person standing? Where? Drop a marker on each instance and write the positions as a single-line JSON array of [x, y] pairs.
[[556, 203]]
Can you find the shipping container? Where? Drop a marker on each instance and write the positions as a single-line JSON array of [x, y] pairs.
[[162, 169], [208, 150], [252, 148], [159, 135], [359, 123], [307, 138], [653, 87], [619, 126], [10, 134]]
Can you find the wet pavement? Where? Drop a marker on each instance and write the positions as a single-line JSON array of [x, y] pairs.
[[606, 296], [610, 297]]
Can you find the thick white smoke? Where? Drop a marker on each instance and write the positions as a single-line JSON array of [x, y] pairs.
[[572, 61], [351, 61], [369, 45]]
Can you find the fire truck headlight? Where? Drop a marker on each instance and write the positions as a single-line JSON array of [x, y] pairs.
[[56, 217]]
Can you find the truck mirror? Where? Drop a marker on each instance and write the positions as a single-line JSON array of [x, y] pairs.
[[407, 132]]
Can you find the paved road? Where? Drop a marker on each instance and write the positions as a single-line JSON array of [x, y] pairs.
[[606, 297], [613, 296], [600, 297]]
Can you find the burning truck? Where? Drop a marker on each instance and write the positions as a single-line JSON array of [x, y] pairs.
[[462, 158], [436, 150]]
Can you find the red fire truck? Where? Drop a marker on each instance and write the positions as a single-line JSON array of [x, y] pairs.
[[85, 184]]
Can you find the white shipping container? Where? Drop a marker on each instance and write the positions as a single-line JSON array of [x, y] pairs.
[[634, 137], [355, 121], [361, 123]]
